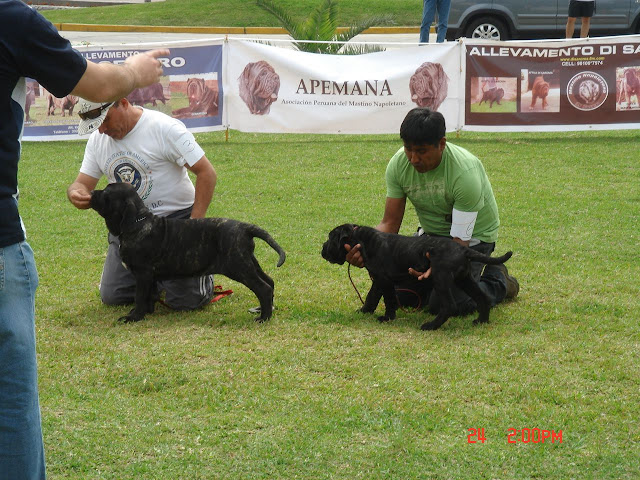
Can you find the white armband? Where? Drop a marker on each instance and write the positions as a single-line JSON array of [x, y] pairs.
[[462, 224]]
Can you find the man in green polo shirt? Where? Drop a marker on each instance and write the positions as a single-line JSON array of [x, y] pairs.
[[452, 195]]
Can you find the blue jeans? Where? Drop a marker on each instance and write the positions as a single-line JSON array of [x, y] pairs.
[[428, 14], [21, 445]]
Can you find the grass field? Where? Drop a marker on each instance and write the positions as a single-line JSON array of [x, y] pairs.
[[505, 106], [321, 391], [232, 13]]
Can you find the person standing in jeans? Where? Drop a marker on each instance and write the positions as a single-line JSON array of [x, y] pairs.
[[580, 8], [30, 47], [428, 13]]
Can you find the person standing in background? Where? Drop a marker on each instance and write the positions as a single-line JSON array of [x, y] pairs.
[[429, 10], [580, 8]]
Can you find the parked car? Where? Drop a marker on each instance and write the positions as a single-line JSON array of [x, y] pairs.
[[527, 19]]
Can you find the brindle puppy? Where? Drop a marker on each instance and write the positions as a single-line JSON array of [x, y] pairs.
[[388, 256], [156, 248]]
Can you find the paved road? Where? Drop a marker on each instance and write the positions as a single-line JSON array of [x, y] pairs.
[[391, 41]]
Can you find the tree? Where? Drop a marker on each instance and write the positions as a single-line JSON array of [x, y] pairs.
[[322, 26]]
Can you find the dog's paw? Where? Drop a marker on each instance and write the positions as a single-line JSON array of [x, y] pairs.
[[258, 309], [480, 321], [430, 326], [385, 318], [366, 310], [129, 319]]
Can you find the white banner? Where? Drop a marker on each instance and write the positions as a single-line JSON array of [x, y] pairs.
[[544, 85], [272, 89]]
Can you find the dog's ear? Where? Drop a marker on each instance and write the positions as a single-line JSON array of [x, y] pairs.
[[346, 235], [129, 215]]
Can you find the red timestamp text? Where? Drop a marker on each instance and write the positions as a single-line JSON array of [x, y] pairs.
[[533, 435], [515, 435]]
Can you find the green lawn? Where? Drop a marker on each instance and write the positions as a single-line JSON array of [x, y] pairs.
[[232, 13], [505, 106], [321, 391]]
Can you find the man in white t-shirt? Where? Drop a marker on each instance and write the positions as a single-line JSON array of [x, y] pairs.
[[583, 9], [153, 152]]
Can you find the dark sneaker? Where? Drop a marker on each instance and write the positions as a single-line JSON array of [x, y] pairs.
[[513, 287]]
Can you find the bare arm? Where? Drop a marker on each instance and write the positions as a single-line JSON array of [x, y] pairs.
[[106, 82], [462, 242], [391, 221], [393, 215], [206, 179], [79, 192]]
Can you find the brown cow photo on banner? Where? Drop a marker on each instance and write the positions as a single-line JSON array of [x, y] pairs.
[[540, 91], [259, 85], [627, 88], [30, 99], [151, 94], [202, 95], [64, 104], [429, 85]]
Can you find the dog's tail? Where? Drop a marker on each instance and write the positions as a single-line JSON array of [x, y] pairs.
[[264, 235], [480, 257]]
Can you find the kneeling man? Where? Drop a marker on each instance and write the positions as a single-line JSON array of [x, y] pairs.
[[452, 196], [153, 152]]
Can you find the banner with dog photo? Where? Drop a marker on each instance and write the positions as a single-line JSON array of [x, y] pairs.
[[191, 89], [563, 85], [273, 89]]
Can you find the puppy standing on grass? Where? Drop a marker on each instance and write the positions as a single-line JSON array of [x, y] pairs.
[[158, 248], [388, 258]]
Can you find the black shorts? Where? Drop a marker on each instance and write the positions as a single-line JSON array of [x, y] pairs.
[[581, 9]]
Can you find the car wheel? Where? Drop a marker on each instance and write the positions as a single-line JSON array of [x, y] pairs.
[[487, 28]]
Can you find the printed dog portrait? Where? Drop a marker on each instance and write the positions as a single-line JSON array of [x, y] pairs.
[[259, 85], [628, 87], [491, 96], [539, 90], [203, 100], [429, 85]]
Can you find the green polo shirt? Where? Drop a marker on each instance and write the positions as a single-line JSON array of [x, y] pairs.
[[459, 181]]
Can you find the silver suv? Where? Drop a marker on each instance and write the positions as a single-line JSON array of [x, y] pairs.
[[525, 19]]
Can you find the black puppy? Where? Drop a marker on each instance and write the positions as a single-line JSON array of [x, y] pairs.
[[388, 256], [156, 248]]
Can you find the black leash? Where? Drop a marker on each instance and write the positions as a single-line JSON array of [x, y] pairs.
[[353, 284], [408, 290]]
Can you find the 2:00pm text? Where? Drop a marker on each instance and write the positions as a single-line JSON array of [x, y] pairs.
[[519, 435]]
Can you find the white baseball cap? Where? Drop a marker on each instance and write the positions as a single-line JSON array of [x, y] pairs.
[[92, 115]]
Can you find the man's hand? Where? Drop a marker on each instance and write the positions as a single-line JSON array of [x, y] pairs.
[[106, 82], [353, 256], [145, 67], [421, 275], [79, 198], [79, 192]]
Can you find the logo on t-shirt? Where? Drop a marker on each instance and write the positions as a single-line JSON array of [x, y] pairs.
[[128, 167], [127, 173]]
